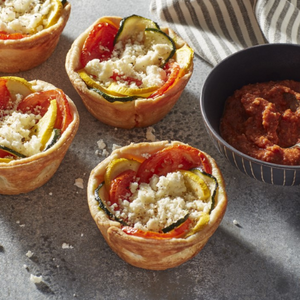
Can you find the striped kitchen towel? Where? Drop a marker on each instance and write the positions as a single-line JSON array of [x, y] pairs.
[[218, 28]]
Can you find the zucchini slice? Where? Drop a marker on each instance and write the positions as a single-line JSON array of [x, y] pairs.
[[101, 194], [175, 224], [211, 182], [111, 98], [132, 26], [11, 152], [156, 36], [53, 139]]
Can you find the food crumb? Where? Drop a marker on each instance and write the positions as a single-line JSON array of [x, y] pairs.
[[105, 153], [36, 279], [29, 254], [79, 183], [150, 134], [101, 144], [66, 246], [50, 194]]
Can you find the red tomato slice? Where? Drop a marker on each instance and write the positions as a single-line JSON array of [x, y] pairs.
[[4, 94], [172, 73], [3, 153], [120, 187], [177, 232], [41, 101], [171, 159], [11, 36], [99, 43]]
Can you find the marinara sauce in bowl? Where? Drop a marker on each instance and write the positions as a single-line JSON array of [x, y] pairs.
[[250, 103]]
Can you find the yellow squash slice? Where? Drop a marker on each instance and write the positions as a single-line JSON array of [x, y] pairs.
[[43, 129]]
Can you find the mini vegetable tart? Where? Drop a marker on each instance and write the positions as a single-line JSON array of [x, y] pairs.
[[157, 204], [129, 72], [37, 125], [29, 37]]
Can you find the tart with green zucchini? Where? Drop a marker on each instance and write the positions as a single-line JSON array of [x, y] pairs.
[[33, 33], [157, 204], [37, 125], [129, 72]]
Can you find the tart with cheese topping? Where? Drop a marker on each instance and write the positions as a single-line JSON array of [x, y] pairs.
[[30, 31], [157, 204], [129, 72], [37, 125]]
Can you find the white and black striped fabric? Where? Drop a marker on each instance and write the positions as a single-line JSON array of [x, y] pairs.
[[218, 28]]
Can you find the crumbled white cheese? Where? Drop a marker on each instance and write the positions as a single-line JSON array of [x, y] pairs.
[[24, 16], [133, 60], [160, 203], [15, 132], [150, 134], [66, 246], [101, 144], [105, 153], [79, 183], [29, 254], [36, 279]]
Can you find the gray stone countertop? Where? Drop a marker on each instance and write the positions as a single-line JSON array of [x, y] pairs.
[[259, 259]]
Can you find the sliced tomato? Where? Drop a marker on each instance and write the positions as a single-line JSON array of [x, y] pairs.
[[172, 70], [11, 36], [99, 43], [4, 94], [41, 100], [120, 187], [177, 232], [171, 159], [3, 153]]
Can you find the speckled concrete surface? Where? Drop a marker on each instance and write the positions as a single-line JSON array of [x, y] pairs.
[[259, 259]]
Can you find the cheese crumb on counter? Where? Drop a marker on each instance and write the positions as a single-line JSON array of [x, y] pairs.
[[79, 183], [36, 279], [29, 254], [150, 134], [67, 246]]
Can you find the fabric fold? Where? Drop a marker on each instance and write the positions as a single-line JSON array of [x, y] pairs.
[[218, 28]]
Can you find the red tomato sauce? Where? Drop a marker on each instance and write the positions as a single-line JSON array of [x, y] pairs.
[[262, 120]]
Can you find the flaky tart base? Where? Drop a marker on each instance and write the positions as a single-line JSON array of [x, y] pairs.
[[137, 113], [27, 53], [27, 174], [149, 253]]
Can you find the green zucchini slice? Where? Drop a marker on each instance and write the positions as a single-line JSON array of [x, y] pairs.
[[111, 98], [156, 36], [132, 26], [100, 194], [53, 139], [211, 182], [175, 224], [12, 152]]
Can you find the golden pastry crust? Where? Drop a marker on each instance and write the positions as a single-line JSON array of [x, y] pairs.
[[36, 48], [27, 174], [137, 113], [149, 253]]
